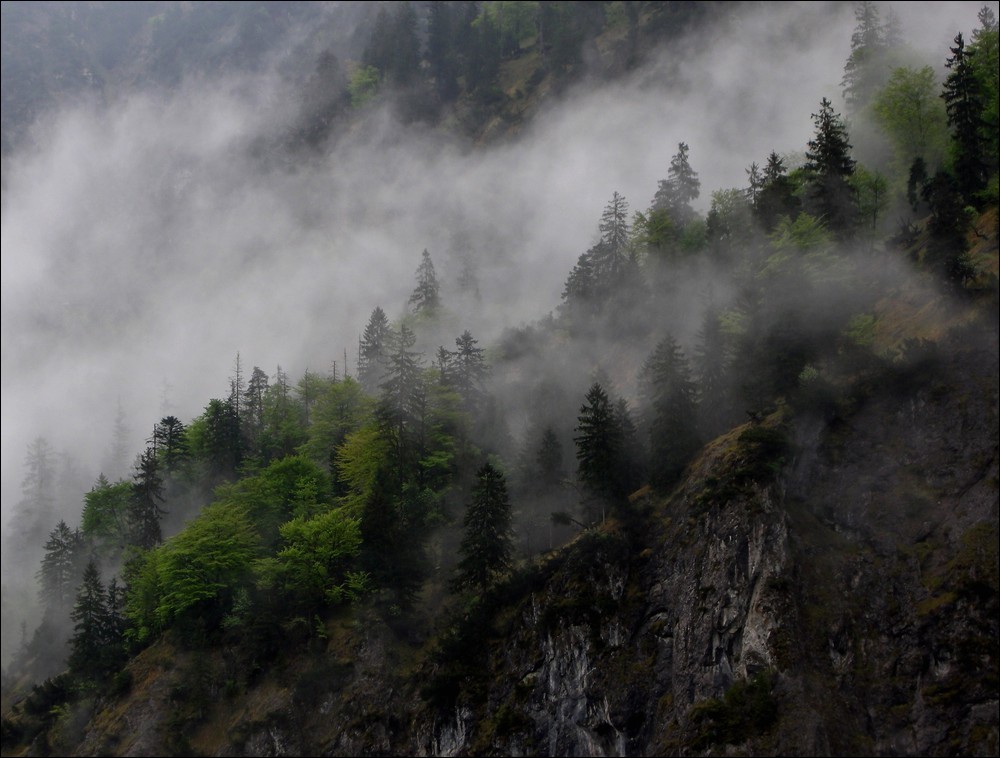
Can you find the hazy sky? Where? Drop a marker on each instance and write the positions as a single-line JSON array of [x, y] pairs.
[[143, 246]]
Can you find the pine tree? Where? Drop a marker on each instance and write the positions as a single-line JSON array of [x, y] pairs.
[[487, 546], [964, 104], [867, 59], [253, 412], [91, 624], [598, 447], [829, 163], [170, 443], [373, 350], [673, 409], [144, 512], [675, 193], [425, 298], [468, 370], [60, 567]]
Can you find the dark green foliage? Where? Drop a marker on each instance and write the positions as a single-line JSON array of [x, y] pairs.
[[598, 447], [467, 371], [964, 104], [170, 444], [394, 48], [486, 547], [947, 245], [748, 709], [96, 647], [777, 197], [673, 412], [60, 569], [829, 165], [373, 350], [144, 512], [758, 460]]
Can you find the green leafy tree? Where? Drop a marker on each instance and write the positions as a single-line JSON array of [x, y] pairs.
[[487, 546], [673, 411], [912, 115], [104, 520], [312, 570], [342, 409]]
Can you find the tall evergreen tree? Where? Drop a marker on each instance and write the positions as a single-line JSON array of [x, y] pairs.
[[91, 624], [426, 298], [170, 443], [830, 165], [468, 370], [60, 569], [598, 447], [964, 104], [985, 49], [673, 410], [144, 512], [866, 62], [675, 193], [487, 546], [373, 350]]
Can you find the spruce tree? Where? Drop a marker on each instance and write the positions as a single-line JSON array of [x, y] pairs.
[[60, 567], [373, 350], [144, 512], [598, 447], [426, 298], [89, 645], [487, 546], [830, 165], [964, 104], [675, 193], [673, 410]]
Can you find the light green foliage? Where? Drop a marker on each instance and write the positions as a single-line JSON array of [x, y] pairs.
[[911, 113], [104, 508], [359, 460], [514, 21], [805, 234], [340, 410], [293, 486], [312, 568], [208, 558], [363, 85], [871, 191]]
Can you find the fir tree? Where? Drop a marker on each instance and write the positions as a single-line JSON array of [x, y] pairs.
[[675, 193], [598, 447], [373, 350], [144, 512], [487, 546], [673, 409], [89, 645], [425, 298], [964, 104], [60, 567], [829, 163]]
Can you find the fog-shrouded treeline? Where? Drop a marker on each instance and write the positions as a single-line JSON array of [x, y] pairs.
[[244, 383]]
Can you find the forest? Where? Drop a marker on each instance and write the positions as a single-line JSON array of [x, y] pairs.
[[429, 476]]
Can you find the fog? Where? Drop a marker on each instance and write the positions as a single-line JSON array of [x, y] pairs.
[[146, 243]]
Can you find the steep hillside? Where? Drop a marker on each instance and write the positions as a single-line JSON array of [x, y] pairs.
[[816, 586]]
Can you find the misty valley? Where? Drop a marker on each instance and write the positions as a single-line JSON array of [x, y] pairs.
[[500, 378]]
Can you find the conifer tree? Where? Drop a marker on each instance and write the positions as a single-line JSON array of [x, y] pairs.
[[144, 512], [373, 350], [468, 370], [867, 59], [426, 298], [673, 407], [170, 443], [675, 193], [487, 546], [598, 447], [60, 567], [829, 163], [89, 645], [964, 104]]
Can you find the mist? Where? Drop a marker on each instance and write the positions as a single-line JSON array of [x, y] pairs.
[[146, 242]]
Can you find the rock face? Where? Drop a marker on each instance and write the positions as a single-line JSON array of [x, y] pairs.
[[819, 584], [847, 605]]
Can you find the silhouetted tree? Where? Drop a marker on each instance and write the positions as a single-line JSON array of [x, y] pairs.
[[675, 193], [598, 447], [426, 298], [487, 545], [673, 410], [829, 164], [60, 569], [144, 512], [964, 104]]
